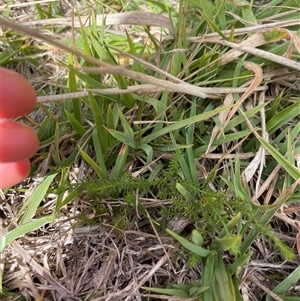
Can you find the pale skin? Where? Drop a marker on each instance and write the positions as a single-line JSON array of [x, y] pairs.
[[18, 142]]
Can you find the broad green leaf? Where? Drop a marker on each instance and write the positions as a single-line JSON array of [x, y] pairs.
[[122, 137], [248, 16], [188, 245], [149, 151], [227, 242], [188, 196], [223, 286], [167, 291], [208, 275], [197, 238], [275, 35]]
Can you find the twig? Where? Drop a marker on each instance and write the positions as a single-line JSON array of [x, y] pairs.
[[250, 29], [146, 88], [130, 18], [264, 288], [258, 52]]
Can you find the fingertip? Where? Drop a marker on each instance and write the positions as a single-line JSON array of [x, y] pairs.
[[17, 96], [13, 173], [18, 141]]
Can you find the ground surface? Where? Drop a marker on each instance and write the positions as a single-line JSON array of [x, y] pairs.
[[107, 243]]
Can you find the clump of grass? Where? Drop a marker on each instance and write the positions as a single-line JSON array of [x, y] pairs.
[[194, 122]]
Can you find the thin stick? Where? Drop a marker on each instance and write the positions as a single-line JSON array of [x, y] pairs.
[[258, 52], [146, 88]]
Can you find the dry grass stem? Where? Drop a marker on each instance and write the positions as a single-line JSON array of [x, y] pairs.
[[129, 18]]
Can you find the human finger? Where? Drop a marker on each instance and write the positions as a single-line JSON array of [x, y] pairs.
[[17, 141], [13, 173], [17, 96]]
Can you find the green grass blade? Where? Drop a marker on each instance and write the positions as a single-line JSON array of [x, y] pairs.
[[223, 286], [124, 138], [265, 218], [284, 286], [149, 152], [22, 230], [183, 123], [32, 203], [236, 267], [189, 246], [208, 275], [100, 173], [73, 88], [283, 117], [101, 131], [230, 225], [197, 238], [168, 291], [189, 197], [77, 126], [118, 168], [189, 153], [288, 167], [99, 155]]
